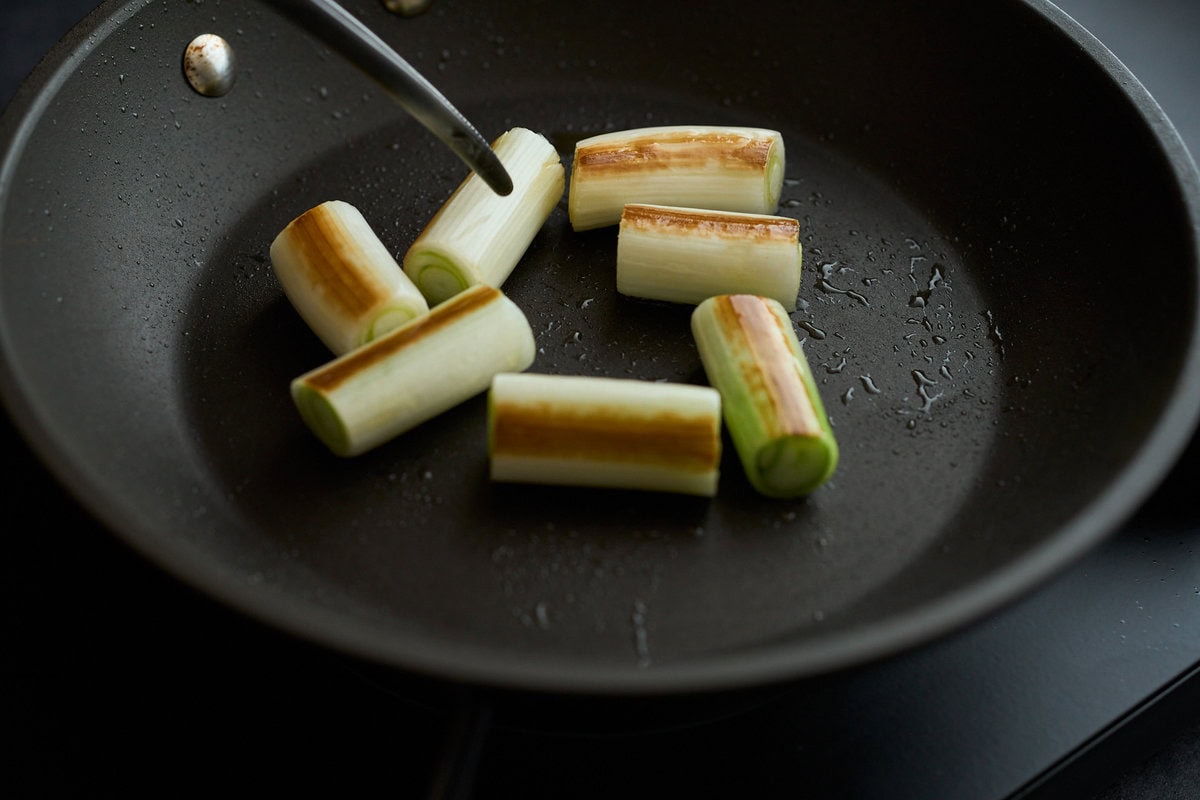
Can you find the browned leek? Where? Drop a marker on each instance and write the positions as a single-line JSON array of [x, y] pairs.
[[605, 432], [698, 166], [415, 372], [341, 278], [685, 255], [769, 398]]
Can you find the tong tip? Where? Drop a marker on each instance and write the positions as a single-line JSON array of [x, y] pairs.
[[477, 155]]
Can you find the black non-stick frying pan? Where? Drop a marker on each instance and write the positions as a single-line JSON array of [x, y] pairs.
[[999, 299]]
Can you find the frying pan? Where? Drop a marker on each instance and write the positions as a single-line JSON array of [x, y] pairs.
[[999, 299]]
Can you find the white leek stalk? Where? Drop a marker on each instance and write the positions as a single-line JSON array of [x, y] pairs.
[[341, 278], [604, 432], [769, 398], [686, 255], [478, 236], [698, 166], [417, 371]]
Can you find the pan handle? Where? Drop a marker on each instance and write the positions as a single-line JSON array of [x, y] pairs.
[[342, 31], [458, 764]]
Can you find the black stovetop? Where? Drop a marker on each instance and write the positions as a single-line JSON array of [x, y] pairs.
[[116, 675]]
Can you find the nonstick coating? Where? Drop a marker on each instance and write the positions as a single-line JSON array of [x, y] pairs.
[[999, 300]]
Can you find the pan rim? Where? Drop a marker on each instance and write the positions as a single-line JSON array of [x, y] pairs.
[[1145, 470]]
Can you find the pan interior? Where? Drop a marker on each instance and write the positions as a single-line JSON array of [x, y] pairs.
[[970, 244], [416, 531]]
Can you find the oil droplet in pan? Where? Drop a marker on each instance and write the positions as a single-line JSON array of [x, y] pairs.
[[924, 382], [812, 330], [824, 284]]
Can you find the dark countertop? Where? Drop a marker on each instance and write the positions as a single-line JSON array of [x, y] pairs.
[[113, 668]]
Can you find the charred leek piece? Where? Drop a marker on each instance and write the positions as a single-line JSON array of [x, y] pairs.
[[435, 362], [699, 166], [604, 432], [769, 398], [341, 278], [478, 236], [686, 255]]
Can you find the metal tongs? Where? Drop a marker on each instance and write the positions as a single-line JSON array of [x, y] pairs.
[[340, 30]]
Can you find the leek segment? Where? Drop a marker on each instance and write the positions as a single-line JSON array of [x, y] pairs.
[[696, 166], [770, 402], [427, 366], [341, 278], [478, 236], [686, 255], [604, 432]]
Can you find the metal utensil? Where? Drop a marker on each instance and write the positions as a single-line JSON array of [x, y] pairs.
[[340, 30]]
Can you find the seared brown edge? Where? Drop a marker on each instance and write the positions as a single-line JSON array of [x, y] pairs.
[[321, 242], [605, 433], [671, 150], [741, 226], [772, 371], [463, 304]]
